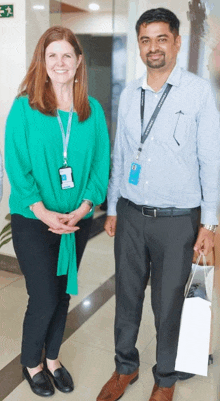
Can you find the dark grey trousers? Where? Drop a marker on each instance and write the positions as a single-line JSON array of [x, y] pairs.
[[162, 246]]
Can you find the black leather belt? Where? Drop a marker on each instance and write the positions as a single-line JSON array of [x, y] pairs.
[[150, 211]]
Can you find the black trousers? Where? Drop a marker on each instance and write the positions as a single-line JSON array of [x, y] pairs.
[[162, 246], [37, 251]]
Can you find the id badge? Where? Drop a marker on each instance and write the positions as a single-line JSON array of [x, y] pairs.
[[66, 177], [134, 173]]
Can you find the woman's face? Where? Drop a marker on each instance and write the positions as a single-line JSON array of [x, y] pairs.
[[61, 62]]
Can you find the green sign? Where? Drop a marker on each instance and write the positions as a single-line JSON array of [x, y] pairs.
[[6, 11]]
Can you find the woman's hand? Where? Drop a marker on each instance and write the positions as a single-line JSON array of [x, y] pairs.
[[55, 221], [73, 219]]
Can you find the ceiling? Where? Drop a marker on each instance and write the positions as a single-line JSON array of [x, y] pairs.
[[105, 5]]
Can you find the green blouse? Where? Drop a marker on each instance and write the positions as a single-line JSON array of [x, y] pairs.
[[33, 156]]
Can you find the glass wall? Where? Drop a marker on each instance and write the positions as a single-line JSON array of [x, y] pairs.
[[119, 57], [103, 35]]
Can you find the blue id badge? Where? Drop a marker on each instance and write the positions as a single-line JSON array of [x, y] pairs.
[[134, 173]]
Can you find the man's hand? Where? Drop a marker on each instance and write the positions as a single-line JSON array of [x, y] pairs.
[[110, 225], [205, 241]]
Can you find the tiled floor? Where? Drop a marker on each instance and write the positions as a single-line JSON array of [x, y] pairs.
[[89, 352]]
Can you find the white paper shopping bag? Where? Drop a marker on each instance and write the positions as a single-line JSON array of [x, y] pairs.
[[194, 337], [193, 345]]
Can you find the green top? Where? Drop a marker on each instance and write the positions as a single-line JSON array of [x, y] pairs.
[[34, 153]]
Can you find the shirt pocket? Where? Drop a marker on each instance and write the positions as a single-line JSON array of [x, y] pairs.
[[179, 130]]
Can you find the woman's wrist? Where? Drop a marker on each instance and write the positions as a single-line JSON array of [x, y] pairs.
[[38, 209], [31, 206], [84, 209], [89, 203]]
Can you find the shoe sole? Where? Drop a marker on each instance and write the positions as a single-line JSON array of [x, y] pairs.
[[63, 391], [131, 382]]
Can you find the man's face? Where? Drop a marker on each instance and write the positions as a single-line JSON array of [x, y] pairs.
[[158, 45]]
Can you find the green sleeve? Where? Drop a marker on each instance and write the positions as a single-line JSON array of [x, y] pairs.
[[17, 158], [99, 175]]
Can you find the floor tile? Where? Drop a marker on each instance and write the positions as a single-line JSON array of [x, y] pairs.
[[6, 278], [149, 353], [13, 301], [98, 261], [99, 329], [192, 390]]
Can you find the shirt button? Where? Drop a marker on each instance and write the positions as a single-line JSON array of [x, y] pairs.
[[146, 182], [148, 160], [156, 96], [152, 138]]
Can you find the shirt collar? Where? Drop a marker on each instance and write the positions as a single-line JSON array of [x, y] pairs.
[[173, 79]]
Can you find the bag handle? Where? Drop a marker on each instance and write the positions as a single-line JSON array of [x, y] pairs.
[[193, 274]]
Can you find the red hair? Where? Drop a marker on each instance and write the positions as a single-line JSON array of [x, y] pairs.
[[37, 84]]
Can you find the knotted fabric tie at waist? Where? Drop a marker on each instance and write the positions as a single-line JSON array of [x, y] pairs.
[[67, 264]]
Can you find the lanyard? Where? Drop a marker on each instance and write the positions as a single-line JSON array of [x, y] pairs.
[[67, 136], [146, 132]]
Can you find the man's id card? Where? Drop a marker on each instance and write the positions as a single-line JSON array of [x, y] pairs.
[[134, 173], [66, 177]]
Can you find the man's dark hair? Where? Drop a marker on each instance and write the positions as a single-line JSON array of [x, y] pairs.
[[159, 15]]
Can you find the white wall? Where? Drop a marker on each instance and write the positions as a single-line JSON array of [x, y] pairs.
[[95, 24], [37, 22], [18, 36], [12, 70]]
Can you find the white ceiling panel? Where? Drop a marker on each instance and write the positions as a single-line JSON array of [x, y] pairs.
[[121, 6]]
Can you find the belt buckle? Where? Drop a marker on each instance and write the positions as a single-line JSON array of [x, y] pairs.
[[148, 215]]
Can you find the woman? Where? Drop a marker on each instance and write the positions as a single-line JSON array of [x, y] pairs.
[[57, 160]]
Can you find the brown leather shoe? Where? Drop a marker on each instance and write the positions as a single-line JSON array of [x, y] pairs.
[[154, 389], [162, 393], [115, 387]]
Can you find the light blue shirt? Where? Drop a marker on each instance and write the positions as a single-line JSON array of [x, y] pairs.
[[180, 160]]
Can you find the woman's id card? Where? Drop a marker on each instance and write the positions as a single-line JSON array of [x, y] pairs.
[[66, 177], [134, 173]]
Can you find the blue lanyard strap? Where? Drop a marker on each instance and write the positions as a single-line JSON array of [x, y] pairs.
[[146, 132], [67, 136]]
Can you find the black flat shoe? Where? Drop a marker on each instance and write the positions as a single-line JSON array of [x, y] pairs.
[[40, 383], [62, 379]]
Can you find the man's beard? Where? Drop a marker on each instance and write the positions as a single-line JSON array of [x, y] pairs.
[[155, 63]]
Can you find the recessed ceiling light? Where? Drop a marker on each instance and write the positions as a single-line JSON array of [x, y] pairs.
[[38, 7], [94, 6]]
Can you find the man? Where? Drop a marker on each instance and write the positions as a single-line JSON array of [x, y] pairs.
[[165, 167]]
